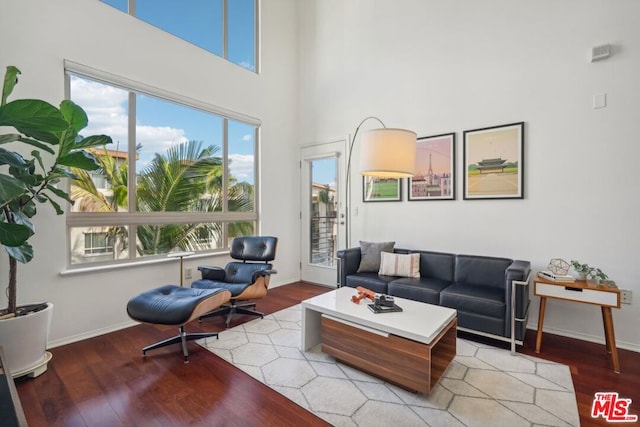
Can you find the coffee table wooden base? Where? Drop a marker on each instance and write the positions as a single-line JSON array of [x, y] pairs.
[[409, 364]]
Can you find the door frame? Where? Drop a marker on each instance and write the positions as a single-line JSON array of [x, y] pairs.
[[321, 274]]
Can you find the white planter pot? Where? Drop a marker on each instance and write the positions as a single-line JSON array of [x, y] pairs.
[[24, 342], [577, 274]]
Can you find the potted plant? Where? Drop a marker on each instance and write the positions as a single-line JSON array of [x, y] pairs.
[[586, 272], [52, 134]]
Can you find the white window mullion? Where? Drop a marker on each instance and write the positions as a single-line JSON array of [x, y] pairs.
[[132, 172], [225, 30], [225, 176], [256, 35]]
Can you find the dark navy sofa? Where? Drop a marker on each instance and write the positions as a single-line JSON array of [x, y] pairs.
[[490, 294]]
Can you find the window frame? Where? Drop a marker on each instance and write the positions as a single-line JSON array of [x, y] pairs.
[[131, 11], [131, 219], [91, 249]]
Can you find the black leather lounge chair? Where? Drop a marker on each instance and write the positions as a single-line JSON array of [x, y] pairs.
[[246, 279]]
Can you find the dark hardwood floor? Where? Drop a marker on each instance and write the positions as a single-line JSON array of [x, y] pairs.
[[103, 381]]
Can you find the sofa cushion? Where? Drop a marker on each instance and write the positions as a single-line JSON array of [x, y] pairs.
[[436, 265], [481, 270], [482, 300], [418, 289], [399, 264], [370, 255], [372, 281]]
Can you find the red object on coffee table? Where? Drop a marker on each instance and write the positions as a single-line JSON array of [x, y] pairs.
[[363, 293]]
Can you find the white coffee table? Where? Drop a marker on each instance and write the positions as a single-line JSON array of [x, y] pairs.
[[411, 348]]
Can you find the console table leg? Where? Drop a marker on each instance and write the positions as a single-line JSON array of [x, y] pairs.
[[543, 305], [610, 338], [607, 341]]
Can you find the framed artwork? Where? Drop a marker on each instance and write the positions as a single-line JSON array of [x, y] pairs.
[[435, 169], [494, 162], [381, 189]]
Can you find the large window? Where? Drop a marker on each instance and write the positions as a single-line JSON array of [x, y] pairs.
[[177, 177], [226, 28]]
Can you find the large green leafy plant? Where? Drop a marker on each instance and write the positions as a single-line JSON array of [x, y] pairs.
[[54, 133]]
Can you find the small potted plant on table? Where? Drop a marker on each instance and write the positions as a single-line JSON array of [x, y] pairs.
[[585, 272]]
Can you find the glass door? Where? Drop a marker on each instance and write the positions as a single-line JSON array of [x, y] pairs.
[[322, 226]]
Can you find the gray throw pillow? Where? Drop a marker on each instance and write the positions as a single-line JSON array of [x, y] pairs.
[[370, 255]]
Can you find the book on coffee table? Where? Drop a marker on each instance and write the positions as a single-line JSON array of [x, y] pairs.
[[384, 309]]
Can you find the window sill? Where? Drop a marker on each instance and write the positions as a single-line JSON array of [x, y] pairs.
[[141, 263]]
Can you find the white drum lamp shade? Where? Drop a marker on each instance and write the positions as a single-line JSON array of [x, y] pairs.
[[388, 153]]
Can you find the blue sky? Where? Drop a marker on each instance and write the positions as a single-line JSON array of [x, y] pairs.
[[324, 171], [200, 22], [160, 123]]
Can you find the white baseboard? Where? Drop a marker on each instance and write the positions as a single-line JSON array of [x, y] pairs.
[[584, 337], [90, 334]]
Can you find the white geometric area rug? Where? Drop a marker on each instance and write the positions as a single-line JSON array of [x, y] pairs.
[[483, 386]]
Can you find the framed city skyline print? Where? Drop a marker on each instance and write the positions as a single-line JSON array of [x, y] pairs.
[[494, 162], [434, 177], [381, 189]]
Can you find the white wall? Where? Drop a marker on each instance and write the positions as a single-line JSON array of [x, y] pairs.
[[438, 67], [37, 36]]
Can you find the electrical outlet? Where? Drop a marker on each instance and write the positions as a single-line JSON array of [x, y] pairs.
[[187, 273], [625, 296]]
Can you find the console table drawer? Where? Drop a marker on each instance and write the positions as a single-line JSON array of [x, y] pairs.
[[580, 294]]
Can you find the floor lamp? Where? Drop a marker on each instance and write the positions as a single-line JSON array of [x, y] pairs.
[[384, 153]]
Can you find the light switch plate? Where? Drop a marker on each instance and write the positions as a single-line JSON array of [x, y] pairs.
[[599, 100]]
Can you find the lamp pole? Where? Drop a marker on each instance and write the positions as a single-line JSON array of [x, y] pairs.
[[347, 180]]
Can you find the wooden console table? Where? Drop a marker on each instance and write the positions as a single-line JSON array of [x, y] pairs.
[[584, 292]]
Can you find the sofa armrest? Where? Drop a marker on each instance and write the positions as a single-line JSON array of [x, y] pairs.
[[348, 263], [518, 271], [212, 273]]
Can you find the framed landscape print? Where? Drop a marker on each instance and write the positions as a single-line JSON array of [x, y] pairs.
[[435, 169], [494, 162], [381, 189]]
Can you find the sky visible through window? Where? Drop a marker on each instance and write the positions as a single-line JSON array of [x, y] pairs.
[[161, 124], [200, 23]]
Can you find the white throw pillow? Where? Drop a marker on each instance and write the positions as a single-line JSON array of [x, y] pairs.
[[404, 265]]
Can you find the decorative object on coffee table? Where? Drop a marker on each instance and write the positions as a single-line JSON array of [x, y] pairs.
[[362, 294]]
